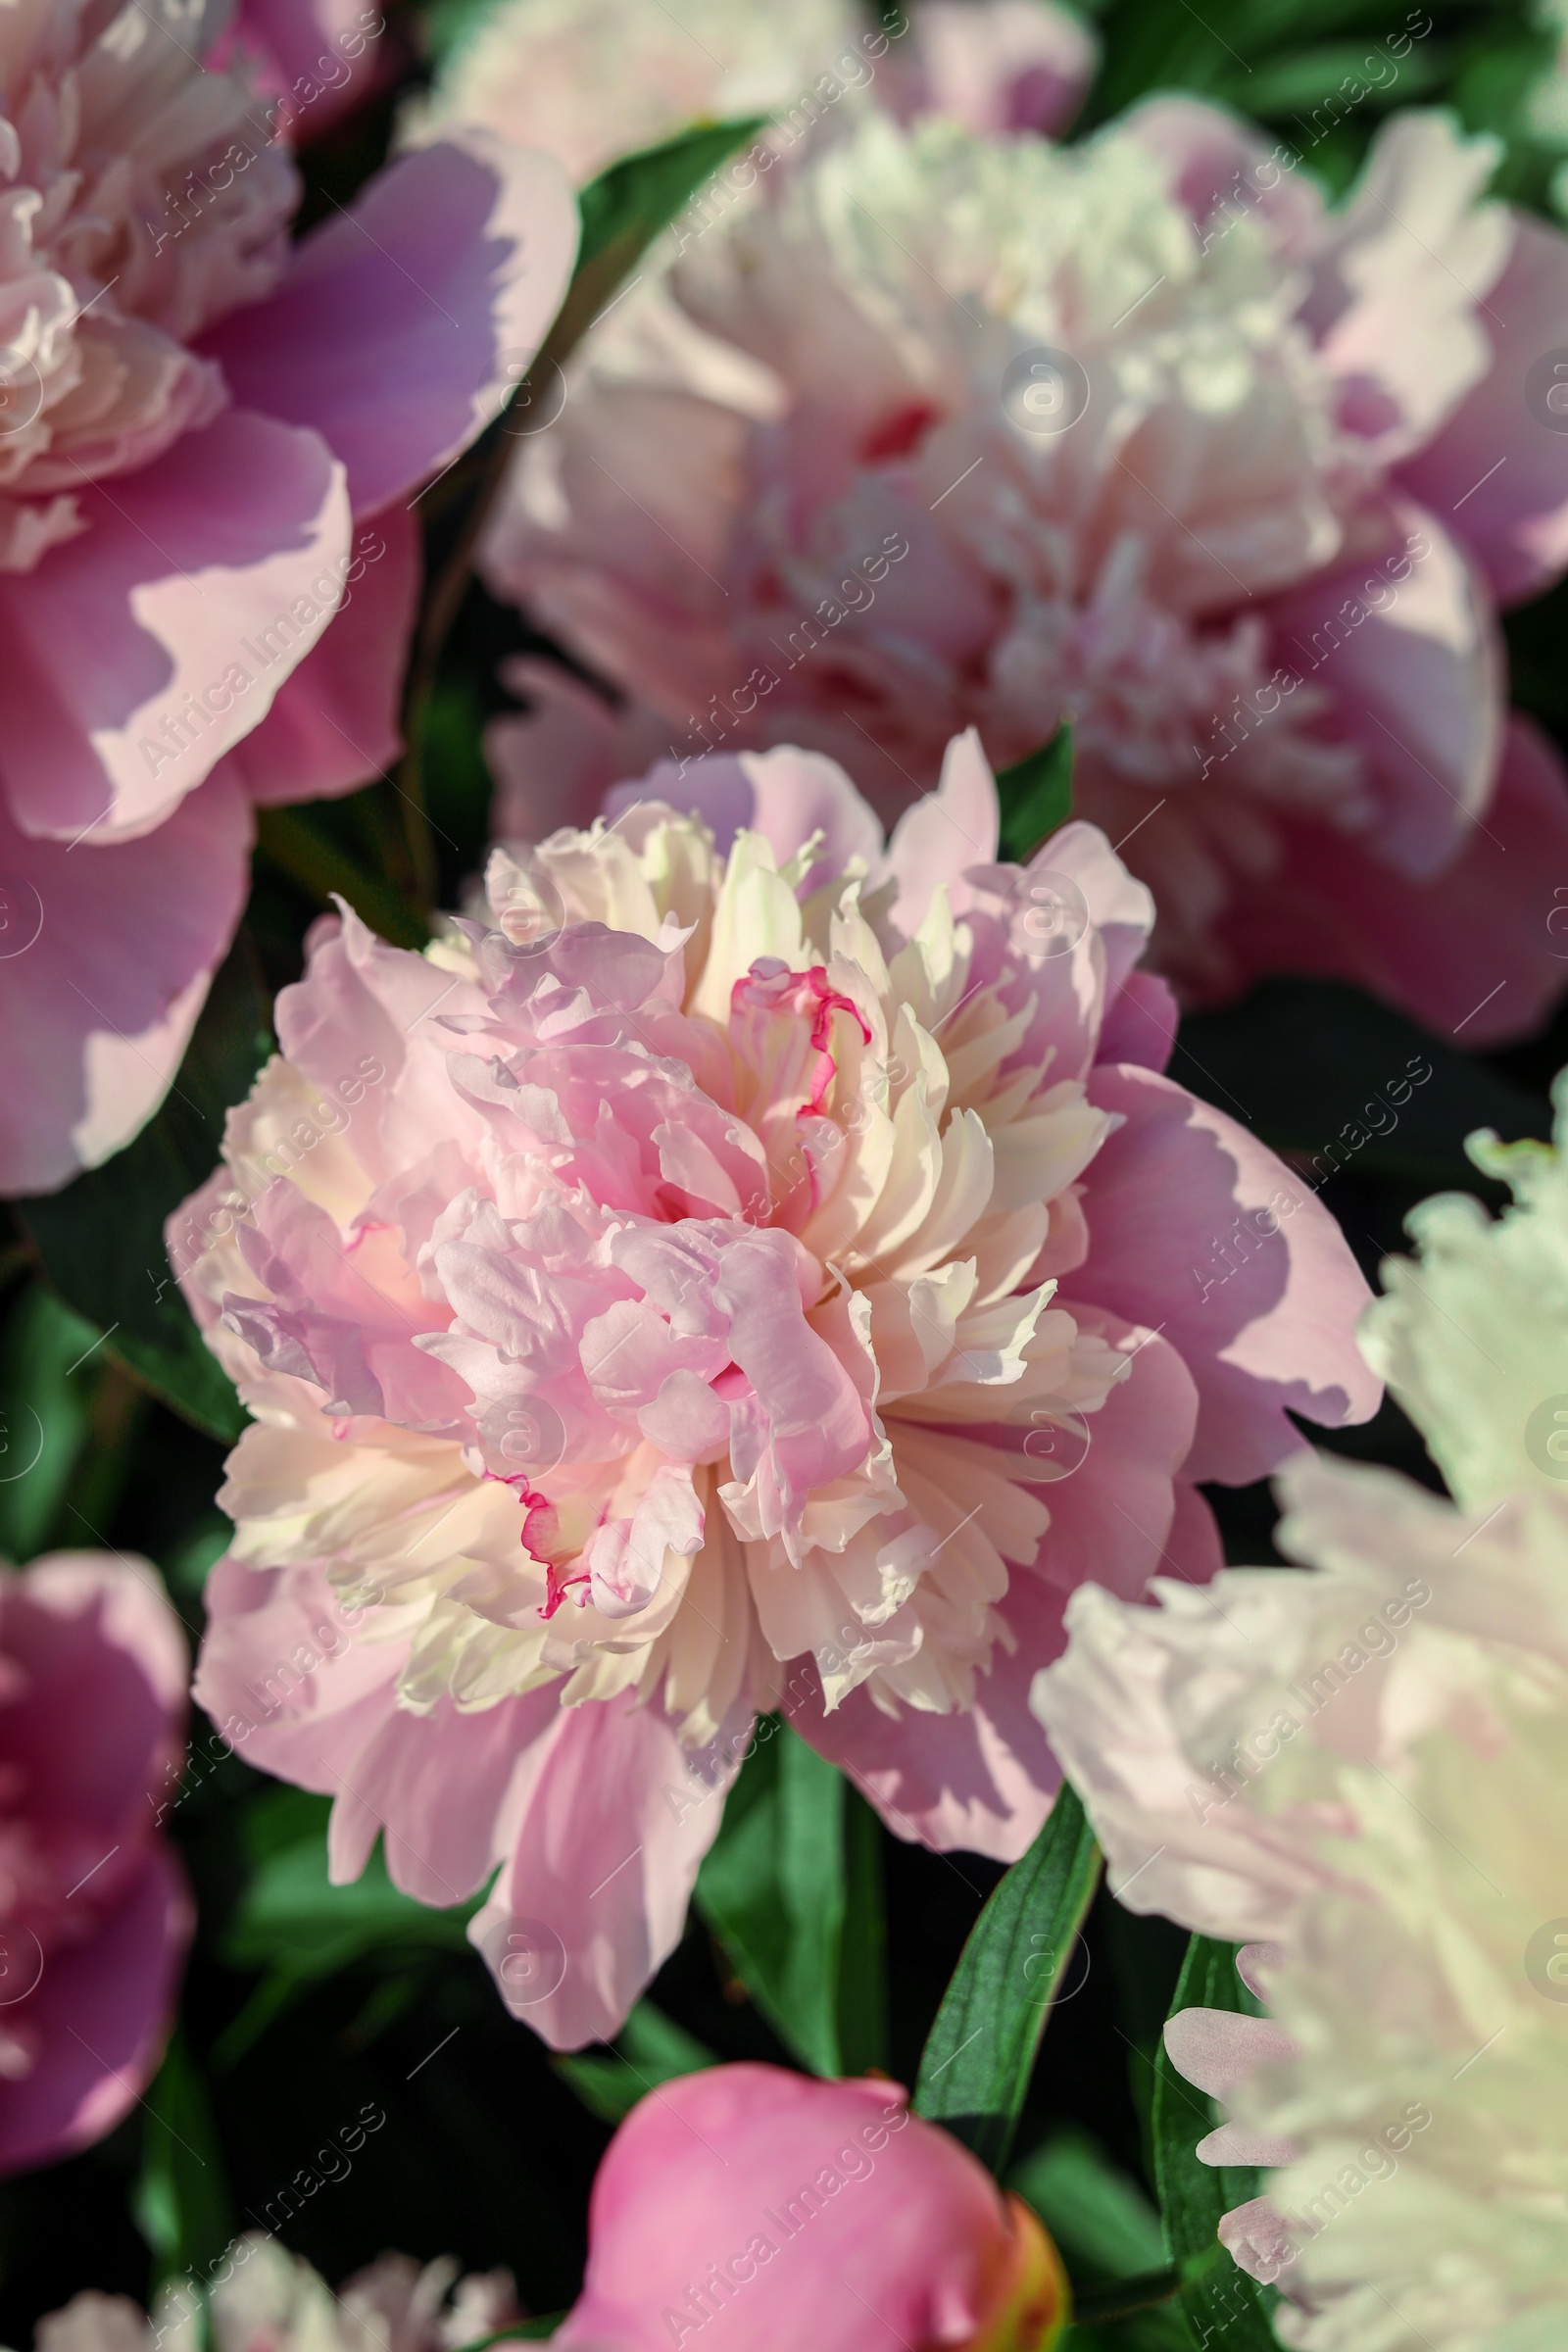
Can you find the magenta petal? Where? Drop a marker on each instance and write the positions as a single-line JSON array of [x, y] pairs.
[[711, 2178], [199, 585], [1198, 1230], [96, 1011], [617, 1818], [337, 722], [1470, 954], [1499, 466], [101, 2014], [404, 323]]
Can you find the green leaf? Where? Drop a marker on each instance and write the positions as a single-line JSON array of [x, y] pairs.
[[101, 1241], [650, 2048], [975, 2069], [1036, 796], [800, 1916], [45, 1417], [1217, 2298], [290, 1918], [1311, 1065], [1100, 2217], [180, 2199]]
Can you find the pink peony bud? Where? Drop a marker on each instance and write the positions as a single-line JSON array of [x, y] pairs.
[[769, 2208]]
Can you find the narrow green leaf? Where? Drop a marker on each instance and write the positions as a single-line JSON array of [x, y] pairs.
[[1100, 2217], [291, 1919], [45, 1417], [182, 2197], [975, 2069], [101, 1241], [1217, 2298], [1036, 796], [650, 2049], [772, 1888]]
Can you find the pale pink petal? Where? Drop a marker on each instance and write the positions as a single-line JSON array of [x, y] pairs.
[[1215, 165], [618, 1815], [96, 1011], [1405, 274], [1469, 954], [139, 652], [951, 828], [1196, 1229], [1003, 64], [283, 1680], [1139, 1023], [1217, 2050], [435, 1787], [1498, 467], [785, 795], [1259, 2239], [1113, 1519], [337, 722], [1418, 689], [404, 323], [320, 58]]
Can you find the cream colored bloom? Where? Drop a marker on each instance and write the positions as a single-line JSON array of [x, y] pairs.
[[1472, 1338]]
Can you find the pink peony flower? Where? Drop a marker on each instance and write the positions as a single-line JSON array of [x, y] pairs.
[[318, 59], [94, 1917], [942, 430], [193, 419], [711, 2181], [764, 1270], [590, 80]]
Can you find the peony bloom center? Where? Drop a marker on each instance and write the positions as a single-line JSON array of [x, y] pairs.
[[714, 1328]]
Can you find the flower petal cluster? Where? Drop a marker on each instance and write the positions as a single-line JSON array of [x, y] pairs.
[[94, 1916], [1359, 1764], [709, 2184], [1166, 446], [208, 441], [1470, 1335], [591, 82], [261, 2294], [752, 1269]]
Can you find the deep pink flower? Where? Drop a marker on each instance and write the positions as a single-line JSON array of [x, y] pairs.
[[762, 1270], [941, 430], [751, 2208], [206, 438], [94, 1917]]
